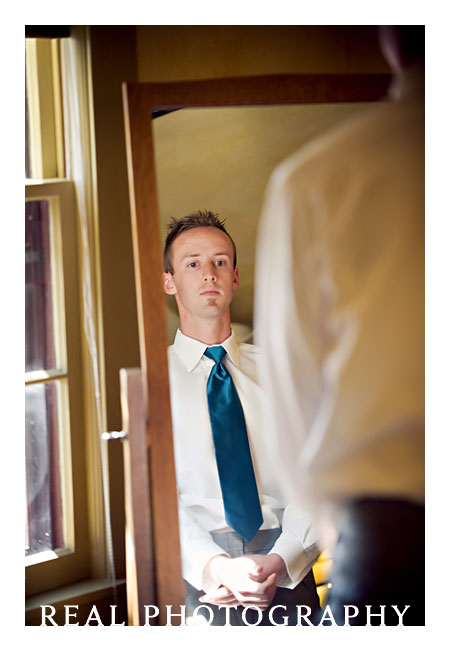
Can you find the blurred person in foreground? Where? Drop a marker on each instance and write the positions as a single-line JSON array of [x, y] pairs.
[[340, 313]]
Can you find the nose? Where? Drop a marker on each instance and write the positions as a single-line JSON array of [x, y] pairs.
[[209, 273]]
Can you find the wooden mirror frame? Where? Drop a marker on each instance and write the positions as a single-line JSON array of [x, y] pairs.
[[140, 101]]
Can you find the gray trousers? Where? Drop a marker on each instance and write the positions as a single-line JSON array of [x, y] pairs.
[[304, 593]]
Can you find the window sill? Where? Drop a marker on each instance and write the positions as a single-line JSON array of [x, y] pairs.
[[84, 594], [43, 181], [46, 556]]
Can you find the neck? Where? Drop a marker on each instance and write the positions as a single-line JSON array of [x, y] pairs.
[[208, 331]]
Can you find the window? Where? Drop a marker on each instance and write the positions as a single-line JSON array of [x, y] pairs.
[[46, 429], [55, 523], [44, 143], [56, 534]]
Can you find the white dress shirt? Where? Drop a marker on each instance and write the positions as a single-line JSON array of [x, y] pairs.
[[200, 500], [340, 307]]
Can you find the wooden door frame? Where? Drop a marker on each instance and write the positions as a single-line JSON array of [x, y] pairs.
[[141, 100]]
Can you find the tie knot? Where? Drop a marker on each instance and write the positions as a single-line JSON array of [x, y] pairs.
[[215, 353]]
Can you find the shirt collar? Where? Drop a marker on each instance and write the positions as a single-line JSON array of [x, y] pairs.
[[190, 351]]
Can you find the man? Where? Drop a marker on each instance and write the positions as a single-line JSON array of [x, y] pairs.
[[241, 544], [340, 310]]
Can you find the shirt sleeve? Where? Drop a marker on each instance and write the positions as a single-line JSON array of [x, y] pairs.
[[339, 303], [197, 548], [297, 546]]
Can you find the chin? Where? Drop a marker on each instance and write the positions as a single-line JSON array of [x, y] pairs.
[[213, 310]]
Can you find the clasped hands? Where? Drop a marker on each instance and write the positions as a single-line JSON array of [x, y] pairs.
[[244, 581]]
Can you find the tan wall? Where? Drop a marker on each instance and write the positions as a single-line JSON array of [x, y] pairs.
[[171, 53]]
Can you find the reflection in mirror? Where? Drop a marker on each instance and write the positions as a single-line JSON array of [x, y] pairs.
[[221, 160]]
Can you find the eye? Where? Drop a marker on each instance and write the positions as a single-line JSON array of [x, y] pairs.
[[192, 265], [220, 263]]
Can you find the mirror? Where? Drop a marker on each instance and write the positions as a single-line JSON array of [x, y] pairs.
[[293, 108]]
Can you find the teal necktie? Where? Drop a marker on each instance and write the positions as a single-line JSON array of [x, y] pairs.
[[234, 462]]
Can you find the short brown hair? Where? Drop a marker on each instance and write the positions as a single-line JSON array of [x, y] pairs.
[[195, 220]]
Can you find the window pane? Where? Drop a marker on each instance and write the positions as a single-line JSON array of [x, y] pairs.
[[39, 324], [43, 526]]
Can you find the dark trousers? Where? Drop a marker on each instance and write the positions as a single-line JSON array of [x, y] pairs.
[[379, 560], [304, 593]]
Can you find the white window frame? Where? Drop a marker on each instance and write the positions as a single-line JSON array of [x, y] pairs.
[[45, 108]]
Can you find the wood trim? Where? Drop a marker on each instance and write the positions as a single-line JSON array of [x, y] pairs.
[[262, 90], [153, 347], [138, 527]]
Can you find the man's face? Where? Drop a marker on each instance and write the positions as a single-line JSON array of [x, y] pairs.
[[204, 279]]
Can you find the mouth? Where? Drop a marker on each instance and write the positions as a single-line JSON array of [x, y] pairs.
[[210, 292]]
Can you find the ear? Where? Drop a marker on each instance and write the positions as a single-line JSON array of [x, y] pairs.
[[168, 284], [236, 278]]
